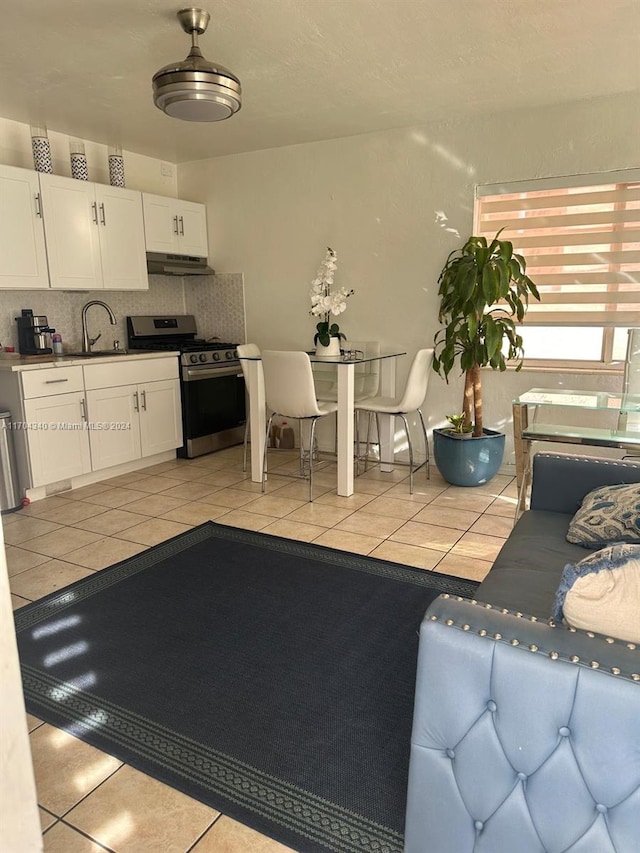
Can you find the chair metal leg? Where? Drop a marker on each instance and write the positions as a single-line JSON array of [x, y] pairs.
[[379, 433], [426, 444], [366, 449], [311, 440], [264, 457], [406, 429]]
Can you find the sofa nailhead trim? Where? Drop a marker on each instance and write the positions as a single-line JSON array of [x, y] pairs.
[[466, 627], [554, 655], [497, 636], [449, 622], [594, 664], [609, 640], [631, 645], [574, 658], [533, 647], [615, 670], [635, 676], [482, 632], [515, 642]]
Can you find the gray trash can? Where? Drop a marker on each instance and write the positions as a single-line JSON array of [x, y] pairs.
[[9, 491]]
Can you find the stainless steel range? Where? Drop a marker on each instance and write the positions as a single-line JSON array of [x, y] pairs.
[[212, 386]]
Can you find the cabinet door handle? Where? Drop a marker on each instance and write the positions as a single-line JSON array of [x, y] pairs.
[[83, 410], [175, 223], [136, 402], [54, 381], [144, 400], [103, 218], [38, 205], [182, 226], [94, 207]]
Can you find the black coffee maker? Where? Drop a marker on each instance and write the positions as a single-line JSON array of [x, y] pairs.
[[33, 333]]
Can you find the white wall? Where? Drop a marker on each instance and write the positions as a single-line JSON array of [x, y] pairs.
[[392, 205], [141, 173]]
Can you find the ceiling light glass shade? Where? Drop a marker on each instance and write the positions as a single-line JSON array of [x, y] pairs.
[[196, 89]]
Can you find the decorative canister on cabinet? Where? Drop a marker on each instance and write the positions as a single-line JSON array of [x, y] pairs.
[[116, 166], [79, 169], [41, 149]]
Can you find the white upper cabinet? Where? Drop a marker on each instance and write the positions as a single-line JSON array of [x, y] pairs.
[[94, 235], [124, 262], [175, 226], [23, 259]]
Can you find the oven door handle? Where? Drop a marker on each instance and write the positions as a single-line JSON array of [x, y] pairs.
[[196, 373]]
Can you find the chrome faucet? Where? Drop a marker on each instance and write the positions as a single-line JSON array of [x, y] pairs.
[[88, 342]]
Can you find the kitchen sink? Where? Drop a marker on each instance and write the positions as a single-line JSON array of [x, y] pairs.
[[99, 353]]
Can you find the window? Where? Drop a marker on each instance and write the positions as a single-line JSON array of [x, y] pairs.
[[581, 239]]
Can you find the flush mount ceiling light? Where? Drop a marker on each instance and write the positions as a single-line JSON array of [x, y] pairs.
[[196, 89]]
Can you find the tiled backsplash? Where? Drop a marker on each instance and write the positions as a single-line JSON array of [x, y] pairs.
[[217, 301]]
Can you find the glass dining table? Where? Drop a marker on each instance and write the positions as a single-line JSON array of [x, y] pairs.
[[345, 366]]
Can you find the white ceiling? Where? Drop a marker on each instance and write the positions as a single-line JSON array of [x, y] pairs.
[[310, 69]]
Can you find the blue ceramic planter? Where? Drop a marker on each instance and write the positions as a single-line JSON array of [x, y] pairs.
[[468, 461]]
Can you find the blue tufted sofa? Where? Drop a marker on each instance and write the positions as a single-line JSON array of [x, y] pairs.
[[526, 734]]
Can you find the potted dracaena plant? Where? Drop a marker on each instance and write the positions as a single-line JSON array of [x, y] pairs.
[[484, 290]]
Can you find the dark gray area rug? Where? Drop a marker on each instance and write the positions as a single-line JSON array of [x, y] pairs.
[[269, 678]]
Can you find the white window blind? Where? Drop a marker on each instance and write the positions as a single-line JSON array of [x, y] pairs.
[[581, 242]]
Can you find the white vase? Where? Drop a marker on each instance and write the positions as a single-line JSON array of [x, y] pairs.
[[331, 351]]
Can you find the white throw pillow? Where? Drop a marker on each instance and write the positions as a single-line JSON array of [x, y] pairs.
[[602, 593]]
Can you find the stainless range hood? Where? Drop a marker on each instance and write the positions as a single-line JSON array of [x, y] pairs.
[[161, 263]]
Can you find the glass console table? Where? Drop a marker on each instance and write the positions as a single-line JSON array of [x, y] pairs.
[[596, 408]]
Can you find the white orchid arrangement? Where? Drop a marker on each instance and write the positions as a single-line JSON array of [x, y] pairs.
[[325, 302]]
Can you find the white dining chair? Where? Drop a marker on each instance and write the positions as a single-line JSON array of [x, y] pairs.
[[249, 351], [290, 393], [411, 400]]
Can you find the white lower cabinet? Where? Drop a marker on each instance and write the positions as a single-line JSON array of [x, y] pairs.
[[135, 420], [54, 421], [70, 420], [58, 438], [160, 417], [113, 408], [132, 421]]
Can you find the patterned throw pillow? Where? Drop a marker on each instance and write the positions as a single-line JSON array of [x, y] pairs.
[[608, 514], [602, 593]]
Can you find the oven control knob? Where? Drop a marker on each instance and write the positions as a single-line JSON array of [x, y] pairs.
[[203, 356], [216, 356], [229, 355], [193, 359]]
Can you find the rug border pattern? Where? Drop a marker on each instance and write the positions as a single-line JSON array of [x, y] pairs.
[[32, 614]]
